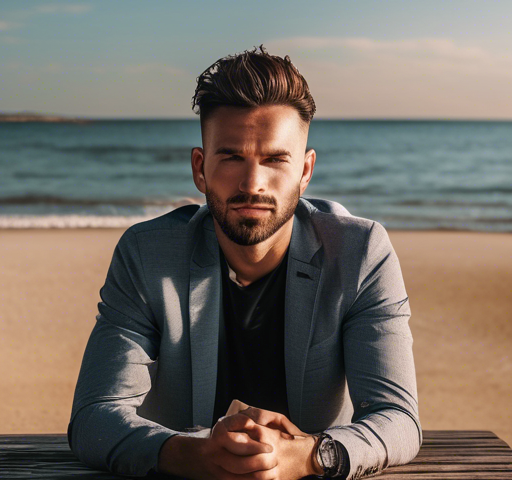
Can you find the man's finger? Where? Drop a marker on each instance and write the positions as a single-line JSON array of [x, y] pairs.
[[243, 465], [271, 419], [237, 422], [235, 407], [240, 443]]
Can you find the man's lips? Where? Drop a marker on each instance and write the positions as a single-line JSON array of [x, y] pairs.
[[253, 210], [253, 207]]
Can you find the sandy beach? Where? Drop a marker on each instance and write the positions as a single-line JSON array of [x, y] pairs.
[[458, 284]]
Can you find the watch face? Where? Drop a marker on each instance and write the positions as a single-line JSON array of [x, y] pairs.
[[327, 451]]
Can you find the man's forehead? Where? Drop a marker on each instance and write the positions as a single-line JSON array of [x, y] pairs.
[[270, 128]]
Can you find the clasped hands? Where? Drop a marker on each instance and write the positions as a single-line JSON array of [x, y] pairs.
[[261, 444], [247, 443]]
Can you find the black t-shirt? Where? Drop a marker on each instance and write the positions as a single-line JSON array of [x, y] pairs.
[[251, 343]]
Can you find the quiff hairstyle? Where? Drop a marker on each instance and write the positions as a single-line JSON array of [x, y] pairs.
[[252, 79]]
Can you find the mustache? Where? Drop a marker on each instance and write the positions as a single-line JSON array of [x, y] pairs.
[[244, 198]]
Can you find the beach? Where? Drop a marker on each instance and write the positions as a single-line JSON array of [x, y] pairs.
[[458, 284]]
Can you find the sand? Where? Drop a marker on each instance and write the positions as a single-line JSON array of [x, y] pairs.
[[459, 286]]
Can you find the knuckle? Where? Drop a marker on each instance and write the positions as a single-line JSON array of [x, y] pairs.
[[265, 474], [239, 437], [257, 433], [258, 414], [248, 421]]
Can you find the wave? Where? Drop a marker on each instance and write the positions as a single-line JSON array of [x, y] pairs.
[[70, 221], [55, 200], [451, 203], [22, 222], [164, 154]]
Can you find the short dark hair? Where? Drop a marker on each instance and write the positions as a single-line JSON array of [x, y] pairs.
[[252, 79]]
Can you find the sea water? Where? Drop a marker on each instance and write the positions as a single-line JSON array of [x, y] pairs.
[[404, 174]]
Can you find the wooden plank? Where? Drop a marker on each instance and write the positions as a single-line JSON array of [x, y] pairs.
[[465, 452], [461, 460], [458, 434], [444, 455], [33, 439], [466, 441], [496, 446], [445, 476], [451, 467]]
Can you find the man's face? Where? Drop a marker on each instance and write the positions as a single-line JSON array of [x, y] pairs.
[[253, 169]]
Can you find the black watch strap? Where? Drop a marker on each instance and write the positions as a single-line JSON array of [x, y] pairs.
[[332, 457]]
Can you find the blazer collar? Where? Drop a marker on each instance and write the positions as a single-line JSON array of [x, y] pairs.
[[302, 280], [205, 303]]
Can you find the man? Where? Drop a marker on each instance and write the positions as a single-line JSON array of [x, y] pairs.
[[290, 305]]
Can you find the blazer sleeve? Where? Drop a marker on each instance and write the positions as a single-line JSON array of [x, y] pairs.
[[379, 366], [105, 431]]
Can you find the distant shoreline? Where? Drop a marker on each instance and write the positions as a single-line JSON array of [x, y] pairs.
[[20, 117], [25, 117]]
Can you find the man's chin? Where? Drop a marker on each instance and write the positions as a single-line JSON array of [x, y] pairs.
[[248, 233]]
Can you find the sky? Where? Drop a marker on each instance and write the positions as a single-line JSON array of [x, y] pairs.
[[412, 59]]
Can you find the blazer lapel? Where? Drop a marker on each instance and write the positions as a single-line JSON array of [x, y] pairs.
[[204, 310], [301, 290]]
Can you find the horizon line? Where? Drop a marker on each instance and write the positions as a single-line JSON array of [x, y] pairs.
[[190, 118]]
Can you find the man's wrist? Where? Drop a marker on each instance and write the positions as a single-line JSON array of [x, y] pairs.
[[313, 467], [179, 455]]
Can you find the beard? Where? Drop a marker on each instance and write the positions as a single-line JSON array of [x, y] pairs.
[[251, 231]]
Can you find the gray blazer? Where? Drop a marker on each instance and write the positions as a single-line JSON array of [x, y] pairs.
[[150, 367]]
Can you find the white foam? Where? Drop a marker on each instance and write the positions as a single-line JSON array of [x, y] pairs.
[[69, 221]]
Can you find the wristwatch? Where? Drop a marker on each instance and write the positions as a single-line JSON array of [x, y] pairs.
[[328, 456]]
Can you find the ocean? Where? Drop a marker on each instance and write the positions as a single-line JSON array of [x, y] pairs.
[[405, 174]]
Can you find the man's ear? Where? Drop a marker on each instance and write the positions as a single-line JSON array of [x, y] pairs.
[[307, 172], [197, 157]]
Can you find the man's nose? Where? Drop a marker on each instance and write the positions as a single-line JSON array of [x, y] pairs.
[[254, 180]]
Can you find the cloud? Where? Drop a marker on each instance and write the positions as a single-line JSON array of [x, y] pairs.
[[76, 8], [438, 47], [363, 49], [153, 68], [8, 25], [423, 77], [10, 40], [50, 8]]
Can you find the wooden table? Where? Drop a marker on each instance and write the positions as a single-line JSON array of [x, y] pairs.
[[444, 455]]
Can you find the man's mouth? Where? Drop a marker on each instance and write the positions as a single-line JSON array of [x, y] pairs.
[[252, 210], [253, 207]]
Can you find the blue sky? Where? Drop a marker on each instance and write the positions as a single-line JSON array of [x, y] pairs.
[[361, 58]]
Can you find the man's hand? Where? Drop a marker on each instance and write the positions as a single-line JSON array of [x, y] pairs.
[[251, 444], [292, 448], [289, 450], [228, 453]]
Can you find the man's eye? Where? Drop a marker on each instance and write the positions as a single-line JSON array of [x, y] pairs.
[[276, 160]]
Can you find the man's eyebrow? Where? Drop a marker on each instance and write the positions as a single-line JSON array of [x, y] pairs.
[[234, 151]]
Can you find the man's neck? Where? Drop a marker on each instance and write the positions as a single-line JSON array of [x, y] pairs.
[[253, 262]]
